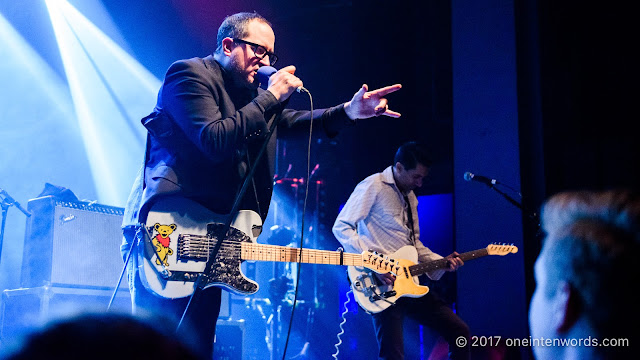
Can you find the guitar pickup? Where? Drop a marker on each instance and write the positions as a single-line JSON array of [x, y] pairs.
[[406, 273]]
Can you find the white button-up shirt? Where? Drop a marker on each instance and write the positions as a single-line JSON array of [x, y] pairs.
[[375, 218]]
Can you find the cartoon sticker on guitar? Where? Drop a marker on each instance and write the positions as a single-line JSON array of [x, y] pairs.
[[162, 241]]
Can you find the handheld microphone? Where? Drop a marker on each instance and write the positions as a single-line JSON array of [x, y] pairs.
[[469, 176], [265, 72]]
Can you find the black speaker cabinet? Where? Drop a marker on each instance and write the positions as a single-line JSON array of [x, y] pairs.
[[72, 244]]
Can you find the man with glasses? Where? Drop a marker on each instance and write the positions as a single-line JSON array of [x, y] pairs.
[[204, 133]]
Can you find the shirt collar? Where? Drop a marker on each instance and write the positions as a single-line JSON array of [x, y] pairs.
[[387, 178]]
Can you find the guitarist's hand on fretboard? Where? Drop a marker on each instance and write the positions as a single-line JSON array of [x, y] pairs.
[[454, 261]]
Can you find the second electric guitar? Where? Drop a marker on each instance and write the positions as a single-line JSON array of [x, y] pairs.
[[374, 297]]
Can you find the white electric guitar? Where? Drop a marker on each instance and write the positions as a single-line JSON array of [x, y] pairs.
[[374, 297], [182, 235]]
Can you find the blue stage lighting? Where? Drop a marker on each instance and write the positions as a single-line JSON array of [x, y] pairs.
[[111, 92]]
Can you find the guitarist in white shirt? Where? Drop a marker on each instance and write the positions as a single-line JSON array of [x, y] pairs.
[[381, 215]]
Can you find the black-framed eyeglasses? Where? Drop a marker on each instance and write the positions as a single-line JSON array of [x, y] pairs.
[[260, 51]]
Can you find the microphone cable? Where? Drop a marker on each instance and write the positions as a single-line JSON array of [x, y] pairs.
[[304, 210]]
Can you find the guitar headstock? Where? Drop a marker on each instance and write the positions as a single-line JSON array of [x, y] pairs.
[[501, 249], [377, 262]]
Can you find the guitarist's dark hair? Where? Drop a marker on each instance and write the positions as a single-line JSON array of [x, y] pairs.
[[411, 154]]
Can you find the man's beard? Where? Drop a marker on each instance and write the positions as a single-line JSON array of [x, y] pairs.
[[240, 76]]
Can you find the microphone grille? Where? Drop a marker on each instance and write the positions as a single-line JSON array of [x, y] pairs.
[[468, 176], [264, 73]]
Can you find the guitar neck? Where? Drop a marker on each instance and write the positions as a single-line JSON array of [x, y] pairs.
[[422, 268], [263, 252]]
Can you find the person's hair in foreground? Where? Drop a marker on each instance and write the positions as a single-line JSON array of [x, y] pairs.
[[586, 271]]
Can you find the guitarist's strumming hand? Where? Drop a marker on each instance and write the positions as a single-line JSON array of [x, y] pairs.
[[386, 279], [454, 261]]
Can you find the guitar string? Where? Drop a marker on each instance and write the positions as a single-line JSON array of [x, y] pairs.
[[257, 247], [287, 256], [201, 249]]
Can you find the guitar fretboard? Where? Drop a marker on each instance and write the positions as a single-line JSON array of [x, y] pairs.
[[198, 247], [262, 252], [422, 268]]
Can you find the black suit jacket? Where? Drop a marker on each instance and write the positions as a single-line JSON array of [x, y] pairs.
[[204, 134]]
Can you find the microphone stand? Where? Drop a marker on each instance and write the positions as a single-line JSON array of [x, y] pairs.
[[532, 215], [7, 202]]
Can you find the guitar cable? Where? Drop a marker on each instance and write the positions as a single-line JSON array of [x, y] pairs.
[[304, 210], [341, 325]]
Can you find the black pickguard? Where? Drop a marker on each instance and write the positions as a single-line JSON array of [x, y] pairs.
[[225, 270]]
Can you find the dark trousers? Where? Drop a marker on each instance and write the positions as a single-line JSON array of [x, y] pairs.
[[428, 310], [198, 327]]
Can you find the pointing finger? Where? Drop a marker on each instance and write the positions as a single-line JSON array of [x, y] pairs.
[[386, 90], [391, 113]]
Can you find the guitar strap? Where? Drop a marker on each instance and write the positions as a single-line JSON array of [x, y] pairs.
[[412, 233], [236, 206], [253, 183], [271, 125]]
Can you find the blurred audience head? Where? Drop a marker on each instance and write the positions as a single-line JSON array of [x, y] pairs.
[[103, 336], [586, 275]]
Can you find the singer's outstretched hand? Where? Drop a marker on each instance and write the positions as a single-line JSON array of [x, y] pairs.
[[366, 104]]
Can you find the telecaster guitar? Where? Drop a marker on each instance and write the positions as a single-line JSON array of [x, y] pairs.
[[374, 297], [182, 235]]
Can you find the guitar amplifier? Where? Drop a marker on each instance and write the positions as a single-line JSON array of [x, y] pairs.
[[72, 244]]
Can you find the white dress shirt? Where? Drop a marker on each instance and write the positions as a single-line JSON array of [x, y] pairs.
[[376, 218]]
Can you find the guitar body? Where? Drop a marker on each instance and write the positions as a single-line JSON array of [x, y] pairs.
[[181, 234], [374, 297]]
